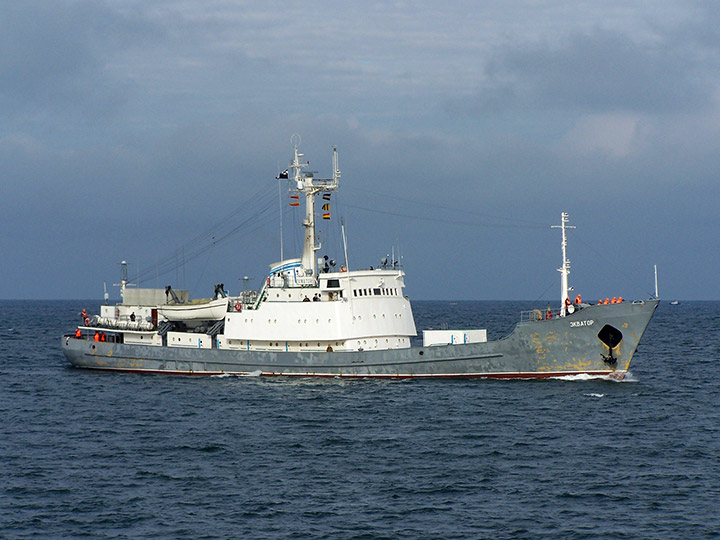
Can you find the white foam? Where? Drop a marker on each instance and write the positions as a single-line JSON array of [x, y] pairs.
[[626, 377], [584, 377], [257, 373], [629, 377]]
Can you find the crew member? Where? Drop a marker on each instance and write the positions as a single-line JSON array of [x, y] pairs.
[[78, 333], [578, 300]]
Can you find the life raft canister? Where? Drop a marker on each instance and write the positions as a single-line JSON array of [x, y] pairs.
[[238, 306]]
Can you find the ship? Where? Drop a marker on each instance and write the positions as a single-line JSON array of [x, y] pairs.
[[314, 318]]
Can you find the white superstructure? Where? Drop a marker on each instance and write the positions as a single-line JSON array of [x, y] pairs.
[[303, 305]]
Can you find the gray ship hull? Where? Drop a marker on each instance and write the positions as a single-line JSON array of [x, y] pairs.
[[596, 340]]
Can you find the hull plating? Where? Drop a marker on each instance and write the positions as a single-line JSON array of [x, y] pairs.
[[553, 348]]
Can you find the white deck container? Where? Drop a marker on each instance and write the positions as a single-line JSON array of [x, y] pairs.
[[433, 338]]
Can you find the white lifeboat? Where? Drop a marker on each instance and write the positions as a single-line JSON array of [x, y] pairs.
[[207, 311]]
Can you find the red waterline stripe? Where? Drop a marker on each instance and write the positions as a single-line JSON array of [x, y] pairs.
[[531, 375]]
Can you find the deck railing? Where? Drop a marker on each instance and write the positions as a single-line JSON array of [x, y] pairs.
[[531, 315]]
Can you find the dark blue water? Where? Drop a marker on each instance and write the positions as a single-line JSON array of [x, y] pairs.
[[105, 455]]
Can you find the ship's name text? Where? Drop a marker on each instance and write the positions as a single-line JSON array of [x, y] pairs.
[[577, 324]]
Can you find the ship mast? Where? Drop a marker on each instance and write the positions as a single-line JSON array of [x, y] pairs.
[[306, 184], [124, 282], [656, 283], [565, 268]]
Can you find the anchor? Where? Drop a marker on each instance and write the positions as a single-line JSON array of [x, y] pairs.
[[609, 359]]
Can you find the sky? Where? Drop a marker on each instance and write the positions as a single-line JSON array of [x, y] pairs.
[[152, 132]]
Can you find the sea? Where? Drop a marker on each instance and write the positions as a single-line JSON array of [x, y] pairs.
[[87, 454]]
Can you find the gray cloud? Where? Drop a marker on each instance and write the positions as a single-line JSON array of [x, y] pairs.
[[602, 72], [55, 58], [129, 126]]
